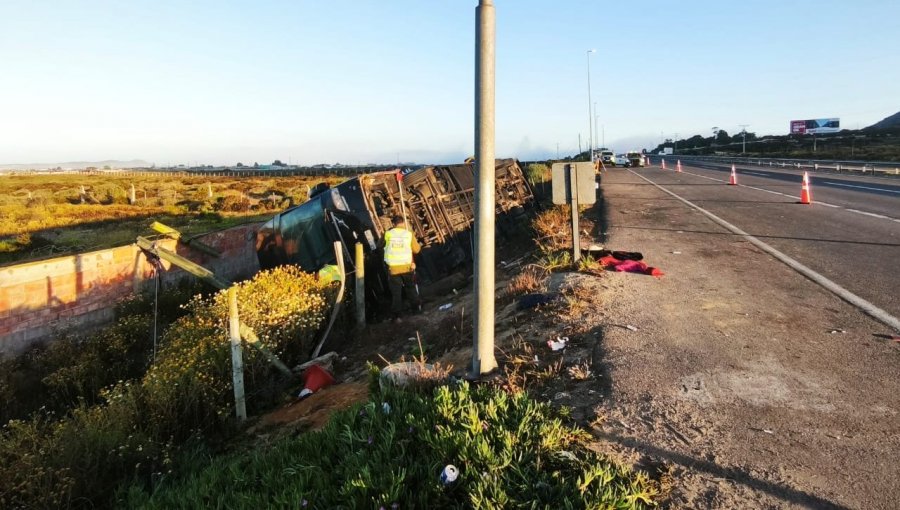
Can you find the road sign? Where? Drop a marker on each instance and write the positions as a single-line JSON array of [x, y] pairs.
[[585, 184], [574, 184]]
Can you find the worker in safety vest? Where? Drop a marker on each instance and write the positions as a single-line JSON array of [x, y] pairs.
[[399, 246]]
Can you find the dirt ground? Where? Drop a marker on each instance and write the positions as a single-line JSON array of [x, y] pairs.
[[734, 381]]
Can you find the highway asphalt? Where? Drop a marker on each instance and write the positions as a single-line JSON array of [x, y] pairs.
[[850, 234]]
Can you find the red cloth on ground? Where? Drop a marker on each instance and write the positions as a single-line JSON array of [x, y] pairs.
[[629, 266]]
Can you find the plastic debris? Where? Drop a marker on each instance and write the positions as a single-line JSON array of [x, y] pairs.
[[676, 253], [561, 395], [629, 327], [449, 474], [386, 408], [314, 379], [445, 307], [535, 358], [558, 344], [833, 331]]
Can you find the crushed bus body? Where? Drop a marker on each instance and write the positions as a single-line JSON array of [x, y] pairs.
[[438, 203]]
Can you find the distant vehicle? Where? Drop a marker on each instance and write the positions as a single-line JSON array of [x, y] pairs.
[[636, 159], [607, 157], [622, 160]]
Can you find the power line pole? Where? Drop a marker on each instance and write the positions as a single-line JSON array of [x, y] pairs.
[[483, 360]]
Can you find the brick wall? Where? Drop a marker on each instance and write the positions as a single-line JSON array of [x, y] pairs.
[[39, 299]]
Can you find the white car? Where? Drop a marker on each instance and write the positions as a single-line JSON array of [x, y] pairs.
[[607, 157], [622, 160]]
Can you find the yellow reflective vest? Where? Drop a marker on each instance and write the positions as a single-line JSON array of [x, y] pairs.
[[398, 247], [330, 273]]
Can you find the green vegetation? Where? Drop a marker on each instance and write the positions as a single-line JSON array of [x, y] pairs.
[[48, 214], [77, 458], [510, 452], [865, 144], [72, 369], [537, 173]]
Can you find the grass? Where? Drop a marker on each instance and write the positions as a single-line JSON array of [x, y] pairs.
[[49, 214], [510, 450]]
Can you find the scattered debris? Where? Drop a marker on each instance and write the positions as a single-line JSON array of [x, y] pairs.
[[445, 307], [562, 395], [559, 344], [629, 327], [532, 300], [833, 331], [314, 379], [676, 253], [449, 474], [325, 361], [629, 266], [386, 408]]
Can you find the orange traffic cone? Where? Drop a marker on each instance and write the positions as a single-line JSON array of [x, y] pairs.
[[805, 192], [733, 180], [678, 166], [663, 164]]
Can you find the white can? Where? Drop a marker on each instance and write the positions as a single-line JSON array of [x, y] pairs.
[[449, 474]]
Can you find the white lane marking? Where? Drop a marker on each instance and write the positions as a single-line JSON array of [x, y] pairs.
[[755, 173], [841, 292], [860, 187], [874, 215], [704, 177], [816, 202]]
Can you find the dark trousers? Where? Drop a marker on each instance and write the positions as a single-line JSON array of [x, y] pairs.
[[399, 282]]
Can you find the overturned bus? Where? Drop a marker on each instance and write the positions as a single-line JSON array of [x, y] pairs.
[[438, 203]]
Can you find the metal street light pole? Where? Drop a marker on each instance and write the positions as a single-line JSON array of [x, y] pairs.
[[744, 132], [595, 118], [483, 360], [590, 124]]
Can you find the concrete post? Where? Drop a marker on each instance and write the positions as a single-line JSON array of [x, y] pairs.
[[483, 360], [237, 357]]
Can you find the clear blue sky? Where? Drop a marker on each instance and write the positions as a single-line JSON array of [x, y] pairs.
[[219, 82]]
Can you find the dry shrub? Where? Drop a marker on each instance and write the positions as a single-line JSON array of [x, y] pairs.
[[529, 281], [580, 371], [553, 228]]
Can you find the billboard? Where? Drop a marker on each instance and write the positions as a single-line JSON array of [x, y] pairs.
[[815, 126]]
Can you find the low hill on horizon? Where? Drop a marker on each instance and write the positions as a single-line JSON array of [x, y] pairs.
[[886, 123]]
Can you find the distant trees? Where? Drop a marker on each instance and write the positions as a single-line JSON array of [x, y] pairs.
[[240, 165], [278, 162]]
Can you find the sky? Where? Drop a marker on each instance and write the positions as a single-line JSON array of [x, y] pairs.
[[365, 81]]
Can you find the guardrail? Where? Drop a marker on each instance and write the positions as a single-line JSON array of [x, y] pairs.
[[875, 168]]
